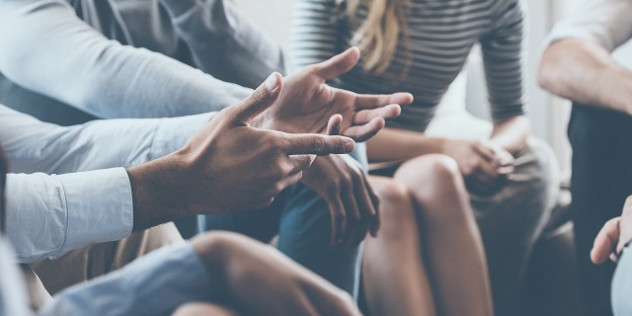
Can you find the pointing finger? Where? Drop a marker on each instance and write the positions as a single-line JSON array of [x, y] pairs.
[[300, 144]]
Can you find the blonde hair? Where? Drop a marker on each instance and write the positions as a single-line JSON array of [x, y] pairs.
[[378, 36]]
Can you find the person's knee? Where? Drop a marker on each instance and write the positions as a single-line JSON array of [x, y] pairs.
[[429, 175], [395, 200]]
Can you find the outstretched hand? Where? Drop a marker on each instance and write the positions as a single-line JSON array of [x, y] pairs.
[[613, 235], [307, 102], [229, 165]]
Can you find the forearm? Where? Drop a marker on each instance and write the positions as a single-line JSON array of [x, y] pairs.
[[46, 48], [585, 72], [511, 134], [396, 144], [35, 146]]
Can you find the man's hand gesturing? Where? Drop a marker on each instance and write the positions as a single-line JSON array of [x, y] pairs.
[[307, 102], [228, 166]]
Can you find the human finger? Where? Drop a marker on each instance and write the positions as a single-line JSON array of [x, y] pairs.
[[337, 65], [364, 132], [605, 241], [316, 144], [390, 111], [260, 99]]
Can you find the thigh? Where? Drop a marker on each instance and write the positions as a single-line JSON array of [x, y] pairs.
[[305, 236], [261, 224], [99, 259]]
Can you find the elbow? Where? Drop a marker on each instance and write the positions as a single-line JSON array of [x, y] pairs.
[[548, 71]]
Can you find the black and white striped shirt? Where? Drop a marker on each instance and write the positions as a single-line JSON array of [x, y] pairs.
[[441, 34]]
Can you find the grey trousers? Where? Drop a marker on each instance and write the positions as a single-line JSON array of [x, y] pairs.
[[511, 222]]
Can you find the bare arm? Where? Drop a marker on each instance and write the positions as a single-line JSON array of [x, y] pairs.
[[585, 72], [397, 144], [511, 134]]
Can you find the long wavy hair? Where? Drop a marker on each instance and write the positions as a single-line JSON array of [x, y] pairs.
[[378, 36]]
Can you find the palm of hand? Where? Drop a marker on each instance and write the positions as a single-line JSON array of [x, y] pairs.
[[306, 104]]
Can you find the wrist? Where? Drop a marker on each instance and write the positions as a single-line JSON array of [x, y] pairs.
[[444, 146], [152, 197]]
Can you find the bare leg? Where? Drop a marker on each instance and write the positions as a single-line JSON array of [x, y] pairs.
[[395, 280], [203, 309], [453, 246]]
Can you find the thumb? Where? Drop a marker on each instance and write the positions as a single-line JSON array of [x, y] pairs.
[[260, 99]]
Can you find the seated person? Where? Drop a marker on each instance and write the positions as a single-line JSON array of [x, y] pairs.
[[577, 65], [59, 55], [614, 241], [215, 269], [504, 183]]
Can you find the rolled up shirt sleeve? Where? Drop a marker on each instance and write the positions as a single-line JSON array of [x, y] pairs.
[[35, 146], [50, 215], [607, 23], [155, 284]]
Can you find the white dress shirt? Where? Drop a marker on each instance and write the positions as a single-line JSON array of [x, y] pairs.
[[49, 215], [607, 23]]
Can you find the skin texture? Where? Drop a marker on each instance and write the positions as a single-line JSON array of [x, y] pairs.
[[225, 161], [428, 229], [275, 285], [363, 115], [613, 236], [439, 186], [341, 182], [483, 163], [585, 72], [227, 157]]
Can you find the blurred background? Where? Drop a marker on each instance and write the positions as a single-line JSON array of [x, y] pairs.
[[549, 115]]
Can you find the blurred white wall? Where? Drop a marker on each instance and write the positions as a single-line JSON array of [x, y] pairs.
[[549, 114]]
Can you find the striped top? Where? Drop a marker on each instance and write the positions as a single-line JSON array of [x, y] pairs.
[[441, 34]]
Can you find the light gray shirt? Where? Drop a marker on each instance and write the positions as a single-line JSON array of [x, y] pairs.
[[607, 23], [128, 58], [155, 284], [94, 203]]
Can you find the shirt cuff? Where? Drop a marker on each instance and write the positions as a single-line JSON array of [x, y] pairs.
[[173, 133], [99, 207]]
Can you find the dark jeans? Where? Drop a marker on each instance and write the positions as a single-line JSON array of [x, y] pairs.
[[303, 223], [601, 181]]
